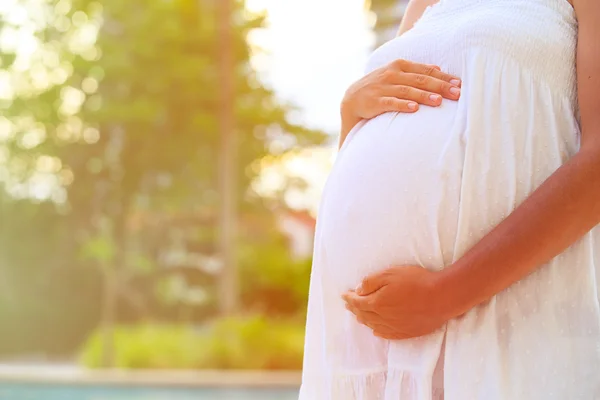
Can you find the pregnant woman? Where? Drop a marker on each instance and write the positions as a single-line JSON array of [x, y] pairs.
[[454, 253]]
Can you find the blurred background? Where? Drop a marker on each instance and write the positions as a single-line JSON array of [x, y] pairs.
[[161, 164]]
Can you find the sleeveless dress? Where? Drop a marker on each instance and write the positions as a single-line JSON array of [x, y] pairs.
[[422, 188]]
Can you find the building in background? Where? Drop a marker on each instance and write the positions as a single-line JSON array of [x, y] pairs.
[[388, 15], [299, 228]]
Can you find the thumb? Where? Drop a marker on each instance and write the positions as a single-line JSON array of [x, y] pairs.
[[371, 284]]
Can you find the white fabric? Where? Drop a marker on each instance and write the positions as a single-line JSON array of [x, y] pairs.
[[422, 188]]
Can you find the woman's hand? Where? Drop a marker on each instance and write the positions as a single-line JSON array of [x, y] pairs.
[[400, 86], [400, 303]]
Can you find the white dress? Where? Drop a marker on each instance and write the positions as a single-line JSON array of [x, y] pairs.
[[421, 189]]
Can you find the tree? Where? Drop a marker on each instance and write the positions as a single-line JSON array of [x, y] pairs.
[[121, 100], [228, 290], [388, 16]]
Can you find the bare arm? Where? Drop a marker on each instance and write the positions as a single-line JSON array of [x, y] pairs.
[[413, 13], [405, 301], [397, 87], [558, 213], [408, 92]]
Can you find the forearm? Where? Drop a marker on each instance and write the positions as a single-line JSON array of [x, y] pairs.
[[398, 87], [413, 13], [558, 213], [348, 122]]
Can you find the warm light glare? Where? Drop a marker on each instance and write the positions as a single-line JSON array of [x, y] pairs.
[[312, 45]]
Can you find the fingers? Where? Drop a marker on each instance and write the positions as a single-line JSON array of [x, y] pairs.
[[382, 331], [369, 319], [431, 84], [433, 71], [365, 317], [358, 303], [388, 334], [374, 322], [424, 76], [372, 283], [413, 94], [398, 105], [425, 69]]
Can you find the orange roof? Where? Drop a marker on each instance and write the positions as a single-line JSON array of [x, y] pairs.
[[303, 216]]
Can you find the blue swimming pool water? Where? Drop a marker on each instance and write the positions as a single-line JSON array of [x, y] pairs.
[[59, 392]]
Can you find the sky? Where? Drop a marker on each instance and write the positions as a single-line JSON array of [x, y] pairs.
[[314, 50], [310, 52]]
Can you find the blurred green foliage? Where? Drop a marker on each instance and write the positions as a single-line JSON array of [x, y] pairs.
[[387, 17], [109, 151], [273, 283], [146, 346], [248, 343]]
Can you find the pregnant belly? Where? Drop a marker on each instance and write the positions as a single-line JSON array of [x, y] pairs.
[[393, 194]]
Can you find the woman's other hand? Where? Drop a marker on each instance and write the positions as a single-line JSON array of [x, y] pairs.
[[401, 302], [401, 86]]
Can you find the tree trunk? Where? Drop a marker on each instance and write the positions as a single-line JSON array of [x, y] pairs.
[[107, 321], [113, 275], [6, 291], [118, 204], [228, 285]]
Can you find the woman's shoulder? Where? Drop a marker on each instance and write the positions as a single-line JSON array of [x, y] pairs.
[[413, 13]]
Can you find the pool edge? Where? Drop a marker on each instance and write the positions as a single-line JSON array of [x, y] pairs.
[[158, 378]]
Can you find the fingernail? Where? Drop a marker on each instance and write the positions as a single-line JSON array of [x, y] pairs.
[[455, 82], [412, 106], [455, 91], [434, 97]]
